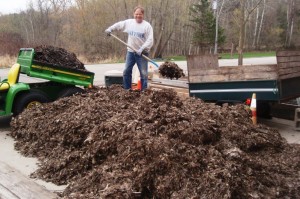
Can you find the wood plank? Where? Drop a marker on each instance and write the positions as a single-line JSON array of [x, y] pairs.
[[288, 71], [235, 73], [233, 77], [212, 78], [288, 59], [288, 53], [266, 68], [261, 76], [235, 70], [15, 183], [217, 71], [195, 62], [242, 75], [287, 76], [288, 65]]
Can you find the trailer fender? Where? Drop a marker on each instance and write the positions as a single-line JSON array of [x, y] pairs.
[[12, 92]]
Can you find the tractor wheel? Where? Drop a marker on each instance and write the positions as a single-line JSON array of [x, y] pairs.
[[70, 91], [29, 100]]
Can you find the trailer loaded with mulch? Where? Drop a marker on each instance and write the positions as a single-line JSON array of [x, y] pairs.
[[112, 143]]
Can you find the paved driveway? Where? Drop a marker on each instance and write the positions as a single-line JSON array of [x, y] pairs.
[[101, 69]]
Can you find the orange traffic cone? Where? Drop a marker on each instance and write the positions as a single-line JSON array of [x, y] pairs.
[[253, 109], [139, 85]]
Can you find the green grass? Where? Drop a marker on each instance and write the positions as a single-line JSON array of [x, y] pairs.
[[248, 55], [227, 56]]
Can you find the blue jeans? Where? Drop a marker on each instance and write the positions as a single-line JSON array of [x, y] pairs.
[[142, 64]]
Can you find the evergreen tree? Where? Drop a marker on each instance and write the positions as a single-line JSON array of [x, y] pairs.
[[204, 24]]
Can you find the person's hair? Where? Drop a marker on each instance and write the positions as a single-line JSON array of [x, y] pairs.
[[139, 7]]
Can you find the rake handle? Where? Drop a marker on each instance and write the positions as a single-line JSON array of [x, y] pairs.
[[147, 58]]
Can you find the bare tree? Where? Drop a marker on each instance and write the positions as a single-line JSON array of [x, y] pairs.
[[261, 24], [290, 22], [79, 25], [244, 17]]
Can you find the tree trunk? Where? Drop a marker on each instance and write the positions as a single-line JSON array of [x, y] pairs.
[[255, 29], [126, 11], [32, 27], [243, 21], [261, 24], [158, 40], [241, 33], [163, 46], [290, 22], [232, 49]]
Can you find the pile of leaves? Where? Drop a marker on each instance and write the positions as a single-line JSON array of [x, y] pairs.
[[57, 57], [170, 70], [112, 143]]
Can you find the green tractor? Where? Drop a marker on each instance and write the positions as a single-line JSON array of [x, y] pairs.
[[59, 82]]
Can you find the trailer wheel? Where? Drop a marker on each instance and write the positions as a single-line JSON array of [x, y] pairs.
[[70, 91], [29, 100]]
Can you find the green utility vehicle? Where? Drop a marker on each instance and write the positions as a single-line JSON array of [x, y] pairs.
[[59, 82]]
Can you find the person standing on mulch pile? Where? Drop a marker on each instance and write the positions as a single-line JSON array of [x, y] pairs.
[[140, 37]]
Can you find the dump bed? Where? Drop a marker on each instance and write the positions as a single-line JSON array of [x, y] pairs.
[[277, 82], [51, 72]]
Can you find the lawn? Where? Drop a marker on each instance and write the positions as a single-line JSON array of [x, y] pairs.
[[248, 55], [227, 56]]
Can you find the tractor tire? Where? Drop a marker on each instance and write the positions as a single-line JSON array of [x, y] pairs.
[[28, 100], [70, 91]]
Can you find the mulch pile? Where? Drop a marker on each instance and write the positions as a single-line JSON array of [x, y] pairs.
[[170, 70], [112, 143], [58, 57]]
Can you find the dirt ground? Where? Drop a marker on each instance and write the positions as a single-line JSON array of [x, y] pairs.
[[113, 143]]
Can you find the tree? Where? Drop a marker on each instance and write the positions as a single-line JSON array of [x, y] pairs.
[[204, 25], [290, 22], [10, 43], [243, 16], [165, 29], [259, 20], [180, 27]]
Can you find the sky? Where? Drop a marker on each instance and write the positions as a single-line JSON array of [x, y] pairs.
[[12, 6]]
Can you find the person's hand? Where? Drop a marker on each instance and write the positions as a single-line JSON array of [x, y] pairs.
[[108, 32], [140, 51]]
